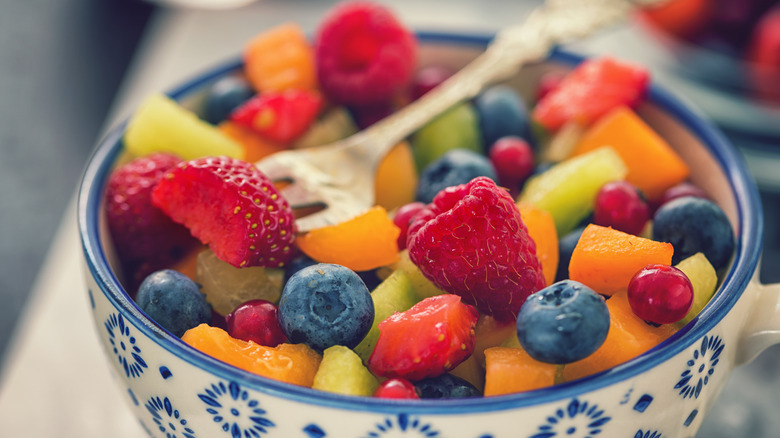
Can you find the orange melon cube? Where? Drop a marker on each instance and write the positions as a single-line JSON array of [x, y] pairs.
[[605, 259], [653, 166], [255, 146], [628, 337], [510, 370], [291, 363], [361, 244], [396, 178], [280, 58], [489, 333], [541, 228]]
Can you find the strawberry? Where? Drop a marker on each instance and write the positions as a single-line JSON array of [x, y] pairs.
[[591, 90], [231, 206], [429, 339], [142, 234], [471, 241], [280, 116]]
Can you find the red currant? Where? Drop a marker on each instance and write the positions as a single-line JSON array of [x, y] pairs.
[[660, 294], [680, 190], [256, 320], [396, 388], [429, 78], [402, 218], [513, 159], [621, 206]]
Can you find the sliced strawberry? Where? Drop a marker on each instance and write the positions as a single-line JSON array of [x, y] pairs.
[[429, 339], [591, 90], [280, 116], [231, 206]]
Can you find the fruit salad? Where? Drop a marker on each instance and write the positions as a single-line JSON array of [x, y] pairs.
[[517, 242]]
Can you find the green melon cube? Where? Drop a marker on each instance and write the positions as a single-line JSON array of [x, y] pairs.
[[342, 372], [456, 128], [704, 280], [160, 124], [568, 189]]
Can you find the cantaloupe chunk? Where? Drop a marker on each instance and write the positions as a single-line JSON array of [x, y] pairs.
[[489, 332], [510, 370], [653, 166], [541, 228], [628, 337], [605, 259], [396, 178], [255, 146], [280, 58]]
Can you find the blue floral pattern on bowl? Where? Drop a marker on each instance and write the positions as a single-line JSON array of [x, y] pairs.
[[236, 412], [700, 367], [124, 346]]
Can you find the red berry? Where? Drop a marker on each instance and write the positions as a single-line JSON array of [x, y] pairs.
[[364, 55], [679, 191], [620, 205], [256, 320], [429, 78], [142, 234], [279, 116], [443, 336], [403, 218], [397, 388], [763, 52], [471, 241], [547, 83], [513, 159], [231, 206], [660, 294]]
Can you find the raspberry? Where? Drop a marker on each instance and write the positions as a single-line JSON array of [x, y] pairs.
[[364, 55], [471, 241], [142, 234], [231, 206]]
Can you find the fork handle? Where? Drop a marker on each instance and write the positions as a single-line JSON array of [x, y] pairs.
[[552, 23]]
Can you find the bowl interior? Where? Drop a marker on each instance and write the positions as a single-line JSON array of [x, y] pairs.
[[716, 167]]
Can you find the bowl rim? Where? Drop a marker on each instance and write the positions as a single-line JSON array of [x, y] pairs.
[[746, 259]]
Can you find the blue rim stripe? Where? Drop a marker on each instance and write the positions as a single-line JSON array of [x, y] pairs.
[[745, 263]]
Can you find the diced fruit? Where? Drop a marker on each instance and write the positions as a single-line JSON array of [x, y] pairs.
[[225, 95], [541, 228], [455, 167], [422, 286], [489, 333], [231, 206], [456, 128], [281, 116], [162, 125], [685, 188], [513, 159], [704, 280], [446, 386], [548, 82], [361, 244], [173, 300], [256, 320], [402, 219], [335, 124], [280, 58], [621, 206], [510, 370], [227, 287], [325, 305], [444, 337], [681, 18], [188, 264], [762, 54], [605, 259], [471, 241], [628, 337], [694, 225], [501, 113], [394, 294], [342, 372], [562, 142], [660, 294], [397, 388], [396, 178], [364, 55], [291, 363], [256, 147], [591, 90], [653, 166], [568, 189], [563, 323]]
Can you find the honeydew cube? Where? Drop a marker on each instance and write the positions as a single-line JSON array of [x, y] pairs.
[[342, 372], [704, 280]]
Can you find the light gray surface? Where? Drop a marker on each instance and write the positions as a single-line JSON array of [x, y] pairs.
[[57, 383]]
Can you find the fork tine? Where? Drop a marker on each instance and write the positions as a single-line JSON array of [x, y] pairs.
[[299, 196]]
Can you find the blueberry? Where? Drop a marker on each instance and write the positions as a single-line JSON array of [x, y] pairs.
[[501, 113], [173, 301], [224, 96], [566, 246], [692, 224], [458, 166], [446, 386], [563, 323], [324, 305]]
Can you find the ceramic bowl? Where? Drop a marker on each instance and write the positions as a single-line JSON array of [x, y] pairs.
[[176, 391]]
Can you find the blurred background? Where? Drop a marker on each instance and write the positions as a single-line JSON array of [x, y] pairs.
[[71, 68]]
